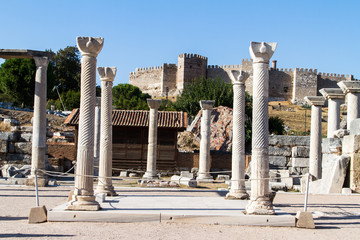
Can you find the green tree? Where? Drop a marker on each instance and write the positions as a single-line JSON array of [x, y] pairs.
[[129, 97], [67, 69], [17, 80], [204, 89], [276, 126]]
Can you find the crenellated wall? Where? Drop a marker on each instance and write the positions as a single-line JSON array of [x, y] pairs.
[[149, 80], [284, 84]]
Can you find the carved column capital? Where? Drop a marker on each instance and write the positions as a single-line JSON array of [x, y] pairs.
[[153, 103], [261, 52], [90, 46], [207, 104], [315, 100], [41, 61], [332, 93], [349, 86], [107, 73], [238, 77]]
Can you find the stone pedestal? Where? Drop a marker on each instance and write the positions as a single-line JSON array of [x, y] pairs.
[[238, 190], [315, 159], [204, 156], [107, 76], [335, 97], [150, 173], [260, 203], [84, 198], [352, 92], [39, 122], [97, 136]]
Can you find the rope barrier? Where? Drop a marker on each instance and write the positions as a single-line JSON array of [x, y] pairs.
[[60, 174]]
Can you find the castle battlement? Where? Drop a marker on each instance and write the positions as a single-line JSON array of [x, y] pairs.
[[191, 55], [306, 70], [237, 66], [334, 75]]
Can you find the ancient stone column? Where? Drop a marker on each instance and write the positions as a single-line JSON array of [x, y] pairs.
[[334, 96], [150, 173], [84, 198], [107, 76], [238, 190], [315, 160], [260, 199], [204, 158], [97, 136], [38, 151], [352, 92]]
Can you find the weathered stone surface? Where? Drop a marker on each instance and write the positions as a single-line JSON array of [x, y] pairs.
[[300, 151], [304, 220], [280, 151], [346, 191], [355, 127], [11, 147], [3, 146], [184, 181], [340, 133], [124, 174], [283, 140], [23, 147], [331, 145], [278, 161], [38, 215], [19, 157], [25, 137], [187, 174], [9, 136], [299, 162], [351, 143]]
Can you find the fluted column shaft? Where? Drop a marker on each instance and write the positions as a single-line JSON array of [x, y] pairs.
[[237, 189], [38, 151], [107, 76], [150, 173], [204, 156], [84, 198], [260, 135], [260, 199]]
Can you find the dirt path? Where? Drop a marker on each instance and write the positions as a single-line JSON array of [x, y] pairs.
[[15, 201]]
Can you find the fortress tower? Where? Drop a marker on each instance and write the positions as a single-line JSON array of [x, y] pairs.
[[190, 66]]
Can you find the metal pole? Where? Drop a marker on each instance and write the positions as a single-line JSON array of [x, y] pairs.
[[36, 189], [306, 191], [60, 98]]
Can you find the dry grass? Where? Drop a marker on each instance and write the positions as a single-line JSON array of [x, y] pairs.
[[5, 127], [294, 116]]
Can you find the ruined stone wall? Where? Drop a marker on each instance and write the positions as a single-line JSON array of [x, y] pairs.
[[304, 84], [280, 84], [149, 80], [190, 66], [289, 152], [330, 80]]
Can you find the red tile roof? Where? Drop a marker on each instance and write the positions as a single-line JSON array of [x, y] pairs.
[[138, 118]]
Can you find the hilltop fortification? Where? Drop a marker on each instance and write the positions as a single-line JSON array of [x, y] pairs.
[[284, 84]]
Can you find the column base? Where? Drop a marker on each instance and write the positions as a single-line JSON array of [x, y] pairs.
[[260, 207], [150, 175], [237, 195], [108, 190], [83, 203], [204, 177], [41, 181]]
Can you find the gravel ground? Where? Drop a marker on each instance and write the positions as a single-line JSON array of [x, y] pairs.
[[340, 219]]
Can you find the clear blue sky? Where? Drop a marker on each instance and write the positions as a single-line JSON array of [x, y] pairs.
[[310, 34]]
